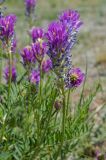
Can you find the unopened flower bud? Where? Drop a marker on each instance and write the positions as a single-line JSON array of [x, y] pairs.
[[57, 104]]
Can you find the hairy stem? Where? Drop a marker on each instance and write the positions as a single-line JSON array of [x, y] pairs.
[[63, 123], [10, 75], [0, 66], [68, 100], [64, 115]]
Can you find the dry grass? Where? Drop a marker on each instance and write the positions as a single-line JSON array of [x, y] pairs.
[[101, 58]]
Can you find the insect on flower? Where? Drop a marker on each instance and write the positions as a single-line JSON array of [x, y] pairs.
[[74, 78]]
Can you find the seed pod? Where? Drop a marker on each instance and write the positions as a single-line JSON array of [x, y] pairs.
[[58, 104]]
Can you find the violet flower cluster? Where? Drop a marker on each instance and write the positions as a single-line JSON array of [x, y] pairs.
[[71, 18], [62, 36], [36, 34], [39, 50], [7, 24], [34, 77], [56, 43], [34, 55], [13, 74], [7, 37], [30, 7], [46, 65], [27, 55]]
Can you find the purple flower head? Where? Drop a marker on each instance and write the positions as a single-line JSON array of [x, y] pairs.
[[46, 65], [59, 47], [74, 78], [37, 34], [7, 25], [27, 55], [13, 74], [30, 6], [72, 22], [61, 37], [34, 77], [57, 37], [39, 50], [30, 3], [72, 19]]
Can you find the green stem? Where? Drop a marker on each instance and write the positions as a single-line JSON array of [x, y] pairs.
[[10, 75], [0, 67], [44, 133], [37, 115], [40, 102], [29, 93], [64, 115], [0, 71], [68, 101], [63, 124], [30, 22]]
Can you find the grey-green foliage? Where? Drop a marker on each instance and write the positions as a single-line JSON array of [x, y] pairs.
[[30, 128]]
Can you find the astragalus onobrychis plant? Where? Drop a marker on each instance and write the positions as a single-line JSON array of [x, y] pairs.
[[37, 120]]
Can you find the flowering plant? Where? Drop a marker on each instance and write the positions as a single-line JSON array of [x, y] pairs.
[[37, 120]]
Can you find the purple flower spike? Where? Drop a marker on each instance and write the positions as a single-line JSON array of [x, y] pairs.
[[7, 25], [74, 78], [46, 65], [61, 37], [27, 55], [13, 74], [30, 6], [71, 18], [39, 50], [34, 77], [57, 37], [37, 34], [59, 47]]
